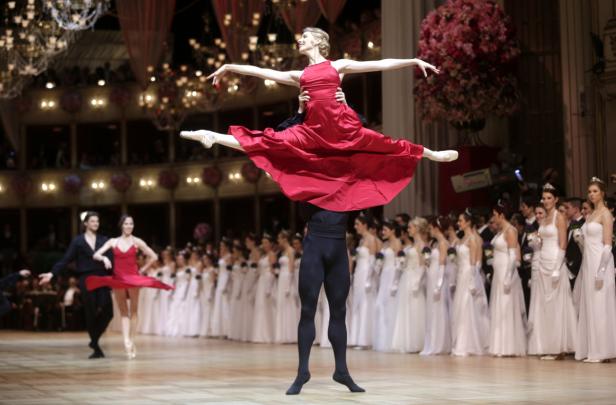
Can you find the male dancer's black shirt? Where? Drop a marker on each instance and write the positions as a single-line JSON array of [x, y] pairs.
[[82, 254]]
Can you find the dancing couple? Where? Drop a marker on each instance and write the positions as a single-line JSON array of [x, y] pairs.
[[92, 256], [334, 164]]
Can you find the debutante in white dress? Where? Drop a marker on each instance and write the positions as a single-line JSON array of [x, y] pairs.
[[470, 315], [554, 322], [247, 300], [410, 324], [163, 301], [438, 326], [206, 299], [178, 311], [222, 300], [148, 307], [264, 309], [362, 300], [385, 304], [236, 317], [507, 309], [596, 339], [285, 327], [194, 310]]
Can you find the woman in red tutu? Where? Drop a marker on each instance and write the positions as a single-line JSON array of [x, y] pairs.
[[329, 160], [126, 280]]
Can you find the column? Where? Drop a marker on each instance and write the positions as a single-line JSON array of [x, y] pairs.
[[581, 158], [23, 148], [217, 219], [123, 141], [400, 23], [23, 227], [75, 221], [172, 223], [171, 139], [73, 141]]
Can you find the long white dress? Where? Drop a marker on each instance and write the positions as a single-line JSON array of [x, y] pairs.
[[206, 299], [438, 325], [164, 301], [248, 300], [193, 305], [178, 311], [410, 325], [385, 304], [285, 326], [507, 310], [470, 315], [596, 339], [554, 323], [263, 324], [148, 307], [219, 326], [236, 317], [362, 300]]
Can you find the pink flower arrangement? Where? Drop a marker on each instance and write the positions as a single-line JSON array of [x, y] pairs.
[[168, 179], [473, 44], [202, 232], [251, 172], [73, 183], [121, 182], [212, 176]]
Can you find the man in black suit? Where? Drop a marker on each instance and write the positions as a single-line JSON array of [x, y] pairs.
[[8, 282], [527, 209], [97, 303], [483, 227], [573, 254]]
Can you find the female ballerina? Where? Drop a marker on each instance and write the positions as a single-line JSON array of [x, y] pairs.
[[126, 280], [333, 163]]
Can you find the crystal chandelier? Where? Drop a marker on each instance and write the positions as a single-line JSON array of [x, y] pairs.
[[77, 15], [11, 82]]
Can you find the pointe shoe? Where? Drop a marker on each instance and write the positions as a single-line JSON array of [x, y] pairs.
[[448, 155], [129, 348], [133, 351], [207, 138]]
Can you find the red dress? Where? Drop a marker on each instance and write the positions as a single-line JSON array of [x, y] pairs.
[[331, 160], [125, 274]]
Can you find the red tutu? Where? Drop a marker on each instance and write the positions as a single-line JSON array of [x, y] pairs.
[[125, 274], [331, 160]]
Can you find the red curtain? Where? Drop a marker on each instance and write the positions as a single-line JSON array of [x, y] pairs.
[[240, 27], [145, 25], [331, 9], [298, 15]]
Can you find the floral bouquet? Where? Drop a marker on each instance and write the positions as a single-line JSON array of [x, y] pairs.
[[488, 253], [426, 253]]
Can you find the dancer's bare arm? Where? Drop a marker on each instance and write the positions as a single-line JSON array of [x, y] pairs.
[[145, 249], [99, 255], [354, 66], [290, 78]]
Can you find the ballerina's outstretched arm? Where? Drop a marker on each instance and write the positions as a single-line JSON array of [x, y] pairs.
[[354, 66], [290, 78]]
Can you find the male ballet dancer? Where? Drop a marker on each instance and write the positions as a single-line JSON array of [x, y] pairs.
[[97, 303]]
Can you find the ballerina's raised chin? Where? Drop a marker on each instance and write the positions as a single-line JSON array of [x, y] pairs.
[[314, 44]]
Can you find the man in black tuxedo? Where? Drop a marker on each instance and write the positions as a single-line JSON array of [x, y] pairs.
[[573, 253], [483, 228], [97, 303], [527, 209]]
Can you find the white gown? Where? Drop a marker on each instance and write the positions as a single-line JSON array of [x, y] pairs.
[[385, 304], [263, 324], [248, 300], [438, 325], [148, 307], [236, 310], [362, 300], [596, 339], [222, 300], [470, 315], [164, 302], [410, 325], [507, 310], [206, 300], [554, 322], [285, 326], [178, 311], [193, 306]]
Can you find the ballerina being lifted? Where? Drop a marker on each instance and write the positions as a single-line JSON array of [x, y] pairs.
[[333, 163], [329, 160]]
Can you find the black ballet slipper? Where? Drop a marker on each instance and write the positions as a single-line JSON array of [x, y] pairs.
[[297, 385], [97, 354], [345, 379]]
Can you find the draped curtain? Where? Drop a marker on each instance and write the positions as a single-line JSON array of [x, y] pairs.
[[237, 31], [331, 9], [298, 15], [145, 25]]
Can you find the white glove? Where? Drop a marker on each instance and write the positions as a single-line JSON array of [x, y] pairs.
[[439, 284], [578, 237], [606, 257], [511, 268], [560, 259]]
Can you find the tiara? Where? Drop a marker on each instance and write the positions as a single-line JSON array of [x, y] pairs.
[[438, 222], [500, 203], [548, 187], [468, 212], [595, 179]]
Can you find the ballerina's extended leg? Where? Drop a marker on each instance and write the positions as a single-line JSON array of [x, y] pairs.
[[209, 138], [440, 155]]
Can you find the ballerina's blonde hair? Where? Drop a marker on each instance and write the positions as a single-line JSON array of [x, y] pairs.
[[318, 33]]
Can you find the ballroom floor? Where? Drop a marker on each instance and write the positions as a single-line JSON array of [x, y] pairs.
[[52, 368]]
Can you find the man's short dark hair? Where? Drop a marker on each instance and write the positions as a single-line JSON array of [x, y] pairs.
[[575, 202], [530, 201]]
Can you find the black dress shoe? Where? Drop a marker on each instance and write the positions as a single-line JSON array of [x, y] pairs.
[[97, 354]]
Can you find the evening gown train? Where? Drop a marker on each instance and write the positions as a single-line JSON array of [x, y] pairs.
[[331, 160]]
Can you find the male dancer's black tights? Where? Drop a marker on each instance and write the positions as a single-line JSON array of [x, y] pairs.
[[98, 310], [324, 260]]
